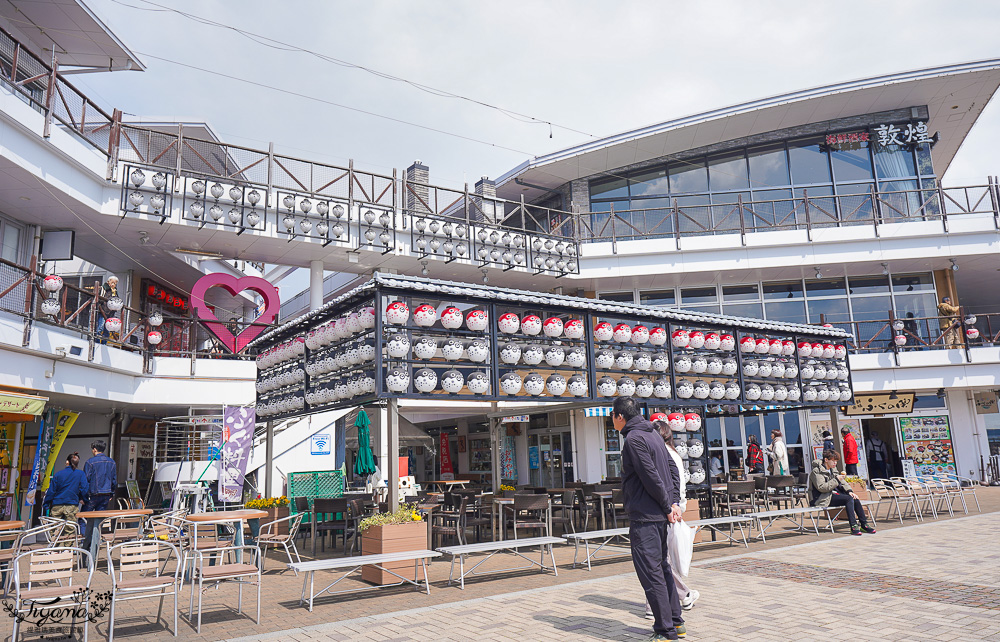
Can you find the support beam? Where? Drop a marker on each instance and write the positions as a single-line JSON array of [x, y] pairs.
[[837, 441], [269, 460], [392, 478], [315, 285]]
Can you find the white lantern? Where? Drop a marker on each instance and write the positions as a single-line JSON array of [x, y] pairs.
[[115, 304], [154, 338], [154, 319], [897, 325], [50, 306]]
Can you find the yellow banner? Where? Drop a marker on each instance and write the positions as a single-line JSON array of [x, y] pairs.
[[64, 422], [9, 468], [22, 404]]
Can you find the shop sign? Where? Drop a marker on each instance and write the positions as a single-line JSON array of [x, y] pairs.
[[446, 466], [908, 134], [986, 402], [164, 296], [516, 419], [320, 445], [880, 404], [846, 141], [533, 462], [235, 453], [22, 404]]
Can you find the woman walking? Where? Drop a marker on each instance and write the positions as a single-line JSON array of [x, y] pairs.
[[778, 453], [755, 456], [688, 596]]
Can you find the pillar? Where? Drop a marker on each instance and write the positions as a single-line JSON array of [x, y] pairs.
[[418, 192], [485, 209], [838, 441], [392, 476], [269, 461], [315, 285]]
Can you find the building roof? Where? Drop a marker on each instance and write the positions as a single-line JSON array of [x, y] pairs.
[[72, 30], [955, 96]]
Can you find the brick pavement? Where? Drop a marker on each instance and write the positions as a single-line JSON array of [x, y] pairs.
[[604, 603]]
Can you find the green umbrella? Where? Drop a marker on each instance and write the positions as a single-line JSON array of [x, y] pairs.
[[364, 463]]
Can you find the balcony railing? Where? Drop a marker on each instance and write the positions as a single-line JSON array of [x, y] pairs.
[[22, 295]]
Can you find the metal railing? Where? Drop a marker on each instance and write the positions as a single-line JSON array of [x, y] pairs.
[[22, 295], [911, 334]]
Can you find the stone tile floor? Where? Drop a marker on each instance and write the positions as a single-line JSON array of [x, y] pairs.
[[935, 580]]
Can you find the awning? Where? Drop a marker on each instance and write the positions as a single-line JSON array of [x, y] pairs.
[[600, 411], [18, 407]]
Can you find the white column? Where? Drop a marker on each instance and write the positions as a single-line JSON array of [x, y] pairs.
[[315, 285]]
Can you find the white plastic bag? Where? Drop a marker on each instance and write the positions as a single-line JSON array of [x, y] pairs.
[[680, 546]]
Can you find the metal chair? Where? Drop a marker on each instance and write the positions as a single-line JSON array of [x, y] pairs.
[[453, 522], [531, 512], [905, 489], [886, 493], [21, 542], [237, 572], [338, 509], [480, 514], [585, 507], [143, 559], [63, 533], [565, 508], [939, 492], [270, 537], [55, 569], [115, 530], [967, 486], [739, 498]]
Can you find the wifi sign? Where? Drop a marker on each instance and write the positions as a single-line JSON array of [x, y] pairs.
[[320, 445]]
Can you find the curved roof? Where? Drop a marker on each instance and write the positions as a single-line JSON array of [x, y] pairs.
[[955, 95]]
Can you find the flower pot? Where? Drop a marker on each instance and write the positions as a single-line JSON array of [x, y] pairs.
[[860, 489], [276, 512], [691, 513], [392, 538]]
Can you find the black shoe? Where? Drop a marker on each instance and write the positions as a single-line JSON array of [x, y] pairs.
[[856, 530], [868, 529]]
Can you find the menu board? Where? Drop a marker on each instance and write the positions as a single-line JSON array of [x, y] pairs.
[[927, 441]]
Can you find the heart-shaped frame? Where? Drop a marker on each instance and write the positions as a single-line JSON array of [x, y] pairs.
[[233, 285]]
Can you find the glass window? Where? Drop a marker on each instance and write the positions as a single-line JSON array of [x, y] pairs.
[[752, 425], [772, 421], [694, 218], [10, 240], [771, 207], [793, 429], [748, 310], [899, 199], [787, 311], [809, 162], [734, 435], [652, 215], [855, 202], [828, 311], [924, 162], [665, 298], [698, 295], [783, 290], [894, 162], [826, 287], [920, 306], [726, 213], [912, 282], [649, 183], [620, 297], [768, 166], [740, 292], [928, 401], [713, 427], [851, 164], [870, 308], [688, 177], [614, 187], [868, 284], [728, 173]]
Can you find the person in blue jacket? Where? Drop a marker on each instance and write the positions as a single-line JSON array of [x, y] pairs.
[[67, 490]]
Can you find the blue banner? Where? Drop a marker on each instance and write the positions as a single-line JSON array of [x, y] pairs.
[[45, 432]]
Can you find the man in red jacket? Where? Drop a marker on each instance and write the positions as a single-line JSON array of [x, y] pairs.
[[850, 451]]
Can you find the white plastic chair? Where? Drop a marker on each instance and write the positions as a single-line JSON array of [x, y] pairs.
[[143, 559], [46, 566]]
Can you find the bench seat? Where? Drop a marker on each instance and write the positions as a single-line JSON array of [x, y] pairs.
[[510, 545]]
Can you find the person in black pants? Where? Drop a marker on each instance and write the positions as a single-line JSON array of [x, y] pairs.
[[827, 488], [651, 490]]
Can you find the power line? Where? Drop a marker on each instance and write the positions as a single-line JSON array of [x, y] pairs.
[[285, 46], [334, 104]]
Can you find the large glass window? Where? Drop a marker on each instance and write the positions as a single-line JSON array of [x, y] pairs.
[[651, 182], [868, 284], [894, 162], [783, 290], [694, 296], [620, 297], [851, 164], [826, 287], [828, 311], [809, 162], [688, 177], [728, 172], [10, 241], [787, 311], [768, 166], [665, 298], [614, 187], [912, 282]]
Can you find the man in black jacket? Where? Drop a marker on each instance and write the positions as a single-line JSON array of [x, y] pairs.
[[650, 485]]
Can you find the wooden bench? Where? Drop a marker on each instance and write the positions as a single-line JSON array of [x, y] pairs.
[[609, 534], [354, 564], [509, 545], [789, 514]]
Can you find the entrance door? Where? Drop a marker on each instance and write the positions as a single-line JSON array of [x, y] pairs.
[[885, 429], [555, 459]]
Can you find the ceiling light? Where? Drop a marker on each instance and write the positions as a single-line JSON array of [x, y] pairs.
[[205, 253], [423, 269], [143, 237], [940, 393], [885, 269], [819, 275], [954, 265], [893, 396]]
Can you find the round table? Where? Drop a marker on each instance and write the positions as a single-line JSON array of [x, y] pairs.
[[101, 515], [227, 517]]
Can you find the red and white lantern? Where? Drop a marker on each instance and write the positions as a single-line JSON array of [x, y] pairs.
[[553, 327], [713, 341], [805, 349], [696, 339], [840, 352], [788, 348], [477, 320], [52, 283], [972, 333], [425, 315], [658, 416], [763, 345], [640, 334], [829, 350], [658, 336], [573, 329], [114, 324], [899, 339], [748, 344], [154, 338], [680, 339], [692, 421], [727, 342], [622, 333], [774, 346], [451, 318], [676, 421], [531, 325], [396, 313], [509, 323], [817, 350], [603, 331]]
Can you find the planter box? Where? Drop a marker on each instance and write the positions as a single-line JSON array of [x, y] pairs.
[[392, 538], [861, 490], [277, 513], [692, 513]]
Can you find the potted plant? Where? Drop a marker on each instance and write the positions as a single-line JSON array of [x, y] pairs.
[[401, 530], [276, 507], [506, 491], [858, 485]]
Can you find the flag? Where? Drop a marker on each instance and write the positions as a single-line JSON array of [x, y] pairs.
[[446, 467], [62, 426], [239, 423], [45, 432]]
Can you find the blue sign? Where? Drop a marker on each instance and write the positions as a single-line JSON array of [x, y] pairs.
[[533, 457], [321, 445]]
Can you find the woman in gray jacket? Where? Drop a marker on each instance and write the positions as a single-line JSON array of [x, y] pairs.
[[827, 488]]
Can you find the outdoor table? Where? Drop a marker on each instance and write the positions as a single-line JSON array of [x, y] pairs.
[[101, 515], [601, 496], [447, 484], [226, 517], [11, 525]]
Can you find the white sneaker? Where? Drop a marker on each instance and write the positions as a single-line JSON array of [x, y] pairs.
[[688, 602]]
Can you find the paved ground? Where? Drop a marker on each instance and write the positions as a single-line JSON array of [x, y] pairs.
[[937, 580]]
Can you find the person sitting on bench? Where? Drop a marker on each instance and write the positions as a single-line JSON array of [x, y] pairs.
[[827, 488]]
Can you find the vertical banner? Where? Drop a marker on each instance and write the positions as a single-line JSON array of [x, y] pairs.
[[446, 467], [64, 421], [238, 427], [45, 431], [507, 468]]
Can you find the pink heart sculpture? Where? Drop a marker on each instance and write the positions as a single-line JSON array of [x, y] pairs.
[[234, 286]]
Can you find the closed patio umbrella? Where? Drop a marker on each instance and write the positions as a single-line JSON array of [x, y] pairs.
[[364, 463]]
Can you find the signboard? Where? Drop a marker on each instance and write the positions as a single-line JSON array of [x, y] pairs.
[[22, 404], [879, 403], [533, 462], [986, 402], [927, 442], [508, 468], [516, 419], [909, 470], [320, 445], [446, 466]]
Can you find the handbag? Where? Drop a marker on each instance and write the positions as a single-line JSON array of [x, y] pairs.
[[680, 546]]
